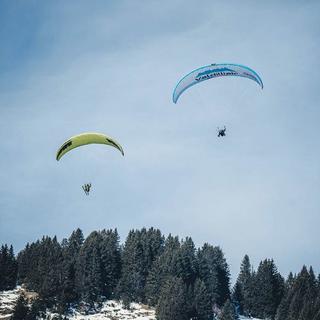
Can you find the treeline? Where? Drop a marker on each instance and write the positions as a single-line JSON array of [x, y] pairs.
[[165, 272], [8, 268], [183, 282], [265, 294]]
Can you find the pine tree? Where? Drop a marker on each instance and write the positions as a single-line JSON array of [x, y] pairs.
[[237, 297], [283, 307], [163, 267], [139, 253], [89, 283], [50, 269], [201, 301], [187, 262], [111, 261], [8, 268], [70, 252], [131, 284], [20, 311], [172, 301], [244, 284], [228, 312], [269, 288], [301, 299], [214, 271], [298, 294], [37, 309]]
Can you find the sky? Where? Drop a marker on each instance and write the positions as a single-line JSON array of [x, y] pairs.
[[68, 67]]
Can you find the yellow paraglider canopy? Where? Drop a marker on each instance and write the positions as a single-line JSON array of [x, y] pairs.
[[87, 138]]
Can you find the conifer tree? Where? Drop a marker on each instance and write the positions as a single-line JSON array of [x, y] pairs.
[[172, 301], [228, 312], [214, 272], [20, 311], [111, 261], [269, 288], [283, 307], [201, 301], [301, 299], [163, 267], [237, 297], [131, 284], [70, 252], [89, 269], [299, 293], [140, 251], [50, 269], [187, 262], [8, 268], [244, 284]]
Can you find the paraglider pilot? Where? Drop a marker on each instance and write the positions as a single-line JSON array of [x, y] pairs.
[[86, 188], [222, 132]]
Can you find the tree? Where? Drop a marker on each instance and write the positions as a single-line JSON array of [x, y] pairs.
[[214, 272], [70, 253], [268, 289], [164, 266], [139, 253], [237, 297], [228, 312], [244, 284], [111, 261], [186, 262], [89, 282], [8, 268], [172, 301], [131, 284], [201, 301], [21, 309], [301, 300]]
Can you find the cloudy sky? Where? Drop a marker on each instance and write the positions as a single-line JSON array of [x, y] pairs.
[[68, 67]]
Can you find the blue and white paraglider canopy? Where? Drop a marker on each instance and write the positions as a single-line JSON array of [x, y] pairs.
[[214, 71]]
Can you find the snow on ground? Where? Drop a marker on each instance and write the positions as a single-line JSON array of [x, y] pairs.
[[8, 300], [113, 310], [110, 310]]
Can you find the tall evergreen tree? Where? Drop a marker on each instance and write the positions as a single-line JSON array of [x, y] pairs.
[[201, 301], [284, 305], [300, 301], [237, 297], [50, 269], [269, 288], [131, 284], [89, 282], [228, 312], [163, 267], [41, 267], [21, 309], [244, 287], [70, 253], [111, 261], [187, 262], [172, 301], [214, 271], [8, 268], [140, 251]]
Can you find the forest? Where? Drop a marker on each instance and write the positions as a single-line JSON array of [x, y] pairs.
[[171, 274]]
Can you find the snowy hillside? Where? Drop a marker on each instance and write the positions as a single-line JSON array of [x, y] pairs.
[[7, 302], [113, 310], [110, 310]]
